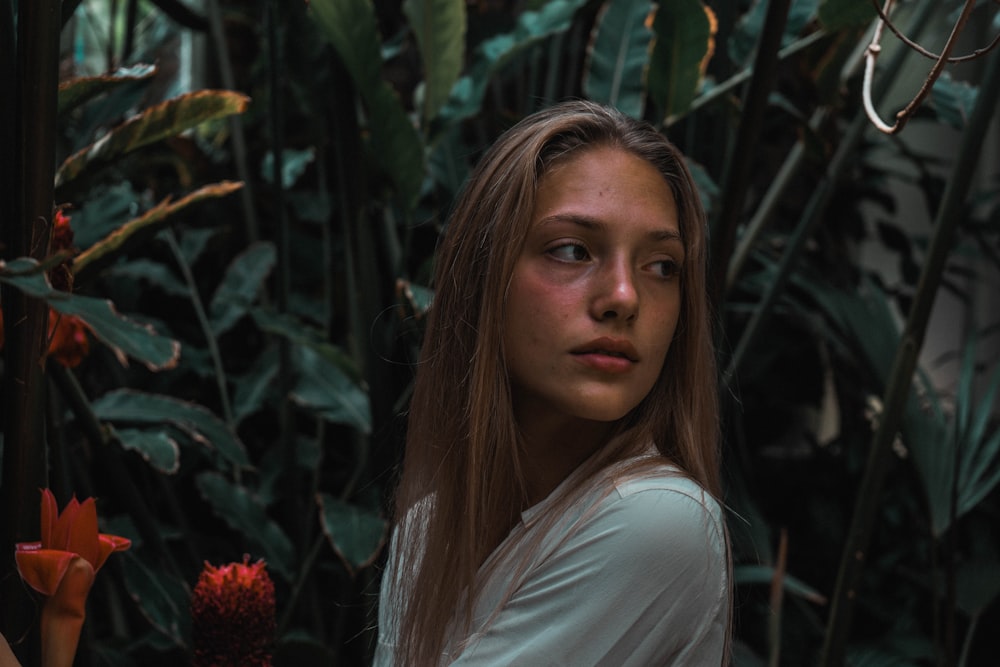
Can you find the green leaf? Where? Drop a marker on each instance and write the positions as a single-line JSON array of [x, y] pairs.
[[493, 54], [241, 285], [356, 535], [161, 599], [293, 164], [164, 120], [836, 15], [254, 386], [439, 28], [152, 272], [349, 26], [244, 514], [128, 406], [618, 55], [125, 337], [953, 100], [74, 92], [743, 41], [157, 448], [685, 41], [142, 228], [325, 389]]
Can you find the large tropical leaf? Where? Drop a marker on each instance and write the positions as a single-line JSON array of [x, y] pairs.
[[355, 534], [685, 42], [328, 391], [162, 600], [349, 26], [247, 516], [155, 446], [743, 41], [439, 28], [74, 92], [125, 337], [838, 14], [135, 231], [164, 120], [493, 54], [618, 55], [126, 406], [241, 285]]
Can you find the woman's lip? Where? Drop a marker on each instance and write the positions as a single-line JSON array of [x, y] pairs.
[[604, 362], [617, 348]]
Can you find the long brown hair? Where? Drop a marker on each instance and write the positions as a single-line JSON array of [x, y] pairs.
[[461, 463]]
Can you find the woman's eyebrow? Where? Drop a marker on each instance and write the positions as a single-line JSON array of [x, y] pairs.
[[594, 224]]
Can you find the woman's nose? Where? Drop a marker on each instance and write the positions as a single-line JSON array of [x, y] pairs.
[[616, 295]]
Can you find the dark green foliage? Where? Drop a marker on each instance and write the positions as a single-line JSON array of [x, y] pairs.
[[256, 307]]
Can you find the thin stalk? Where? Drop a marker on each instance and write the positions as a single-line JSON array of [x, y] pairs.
[[206, 328], [963, 658], [842, 160], [774, 194], [305, 573], [235, 123], [32, 136], [880, 453], [739, 162]]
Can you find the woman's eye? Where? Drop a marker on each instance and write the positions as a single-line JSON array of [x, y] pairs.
[[667, 268], [569, 252]]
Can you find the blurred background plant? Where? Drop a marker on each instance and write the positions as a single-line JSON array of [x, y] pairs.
[[255, 190]]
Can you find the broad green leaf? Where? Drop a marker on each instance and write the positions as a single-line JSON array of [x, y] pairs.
[[142, 228], [161, 599], [493, 54], [349, 26], [953, 100], [125, 337], [324, 388], [743, 41], [417, 298], [302, 334], [254, 386], [618, 55], [244, 514], [153, 124], [156, 447], [106, 209], [355, 534], [74, 92], [154, 273], [838, 14], [134, 407], [685, 42], [293, 164], [439, 28], [241, 285]]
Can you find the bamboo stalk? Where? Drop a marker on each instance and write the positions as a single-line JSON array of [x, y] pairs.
[[26, 320], [896, 394]]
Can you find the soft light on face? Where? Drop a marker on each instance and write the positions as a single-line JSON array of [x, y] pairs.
[[595, 294]]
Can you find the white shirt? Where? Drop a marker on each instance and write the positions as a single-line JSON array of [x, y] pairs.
[[637, 579]]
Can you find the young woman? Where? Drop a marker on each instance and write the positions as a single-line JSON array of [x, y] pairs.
[[558, 498]]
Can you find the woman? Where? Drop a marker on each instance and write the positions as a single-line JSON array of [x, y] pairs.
[[557, 502]]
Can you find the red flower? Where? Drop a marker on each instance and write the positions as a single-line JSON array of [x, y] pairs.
[[64, 537], [62, 566], [233, 616]]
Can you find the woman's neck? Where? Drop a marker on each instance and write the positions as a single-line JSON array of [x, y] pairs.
[[554, 448]]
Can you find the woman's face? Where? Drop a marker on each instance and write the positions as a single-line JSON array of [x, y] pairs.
[[595, 294]]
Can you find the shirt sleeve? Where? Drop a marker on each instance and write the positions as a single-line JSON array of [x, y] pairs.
[[642, 582]]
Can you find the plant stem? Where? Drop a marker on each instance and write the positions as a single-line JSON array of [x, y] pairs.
[[206, 328], [36, 75], [945, 229], [739, 162]]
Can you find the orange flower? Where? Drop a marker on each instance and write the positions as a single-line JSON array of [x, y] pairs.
[[233, 616], [62, 566], [65, 536], [68, 342]]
